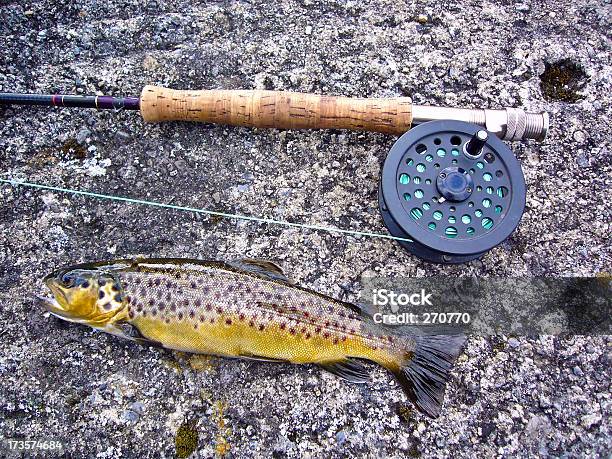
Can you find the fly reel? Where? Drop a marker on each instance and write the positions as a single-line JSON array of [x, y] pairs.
[[452, 189]]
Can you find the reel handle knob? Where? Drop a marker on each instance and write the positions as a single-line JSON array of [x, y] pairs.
[[474, 147]]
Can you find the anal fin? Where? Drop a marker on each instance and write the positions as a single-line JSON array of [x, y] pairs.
[[349, 370]]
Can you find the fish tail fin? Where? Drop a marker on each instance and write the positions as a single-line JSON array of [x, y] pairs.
[[425, 371]]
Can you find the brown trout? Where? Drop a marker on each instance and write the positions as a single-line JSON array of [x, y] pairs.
[[247, 309]]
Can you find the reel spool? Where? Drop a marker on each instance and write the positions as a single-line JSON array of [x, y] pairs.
[[453, 189]]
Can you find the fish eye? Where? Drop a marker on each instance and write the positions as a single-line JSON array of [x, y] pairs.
[[72, 279], [68, 279]]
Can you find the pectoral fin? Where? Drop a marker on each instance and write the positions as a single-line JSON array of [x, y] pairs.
[[129, 331]]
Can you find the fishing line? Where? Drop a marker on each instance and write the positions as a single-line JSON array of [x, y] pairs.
[[269, 221]]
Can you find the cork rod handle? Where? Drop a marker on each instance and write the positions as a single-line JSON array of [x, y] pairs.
[[277, 109]]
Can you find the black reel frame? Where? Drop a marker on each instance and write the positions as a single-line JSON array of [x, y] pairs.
[[451, 189]]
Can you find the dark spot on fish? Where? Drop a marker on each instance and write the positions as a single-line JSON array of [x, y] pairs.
[[344, 338], [139, 308], [251, 323], [212, 320], [261, 327], [154, 312], [202, 318], [102, 283], [185, 302], [282, 326], [106, 306], [318, 330], [198, 303], [228, 321], [162, 306], [327, 324], [177, 275], [191, 314], [219, 310], [208, 307], [205, 289], [144, 313], [101, 294], [343, 327], [168, 284], [131, 314], [156, 282], [118, 298], [168, 296], [352, 330], [341, 314], [129, 299], [241, 316], [307, 335], [326, 335], [167, 320], [173, 307], [303, 330], [292, 331], [193, 285], [115, 287], [306, 314], [85, 284], [137, 281], [330, 308], [336, 324], [335, 340], [180, 316], [218, 295]]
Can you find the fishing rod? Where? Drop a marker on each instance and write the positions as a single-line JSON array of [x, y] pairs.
[[294, 110], [450, 188]]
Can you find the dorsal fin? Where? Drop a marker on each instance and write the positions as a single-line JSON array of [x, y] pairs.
[[263, 268]]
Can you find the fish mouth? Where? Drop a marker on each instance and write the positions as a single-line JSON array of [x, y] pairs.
[[52, 285], [51, 305]]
